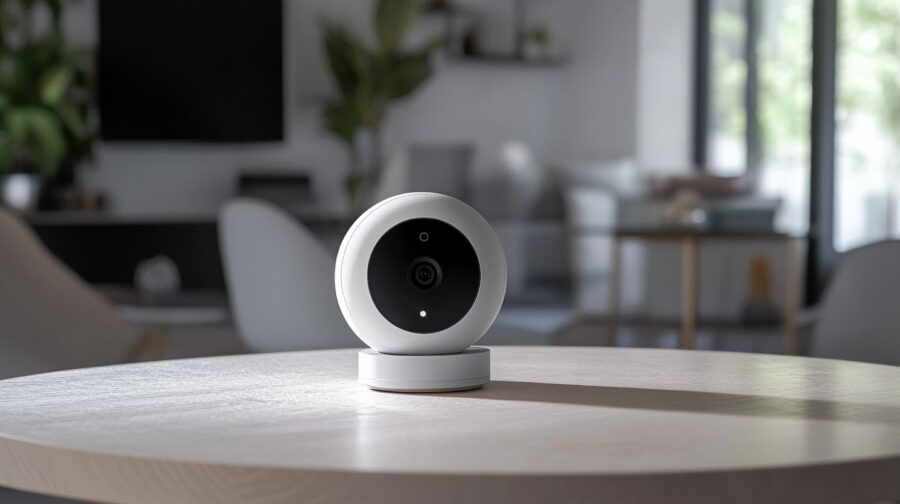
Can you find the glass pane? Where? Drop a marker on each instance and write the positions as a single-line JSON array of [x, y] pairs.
[[727, 147], [867, 166], [785, 98]]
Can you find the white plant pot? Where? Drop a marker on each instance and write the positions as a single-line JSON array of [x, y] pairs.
[[21, 191]]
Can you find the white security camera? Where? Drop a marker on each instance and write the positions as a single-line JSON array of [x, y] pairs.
[[420, 277]]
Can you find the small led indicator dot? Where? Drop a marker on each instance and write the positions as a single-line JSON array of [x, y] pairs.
[[422, 314]]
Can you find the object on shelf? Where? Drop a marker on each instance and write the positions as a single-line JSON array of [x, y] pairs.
[[705, 186], [759, 308], [686, 209], [531, 45], [742, 214], [506, 59], [438, 5], [77, 199], [471, 42], [157, 276], [21, 191], [538, 42]]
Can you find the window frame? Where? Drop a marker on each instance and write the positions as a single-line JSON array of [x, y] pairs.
[[821, 257], [703, 86]]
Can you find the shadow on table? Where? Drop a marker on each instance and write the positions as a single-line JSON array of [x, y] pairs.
[[9, 496], [685, 400]]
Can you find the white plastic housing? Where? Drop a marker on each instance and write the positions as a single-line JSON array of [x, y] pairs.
[[466, 370], [351, 275]]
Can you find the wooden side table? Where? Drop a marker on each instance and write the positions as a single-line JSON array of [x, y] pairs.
[[690, 240], [556, 424]]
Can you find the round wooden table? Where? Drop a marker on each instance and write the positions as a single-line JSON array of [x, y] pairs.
[[556, 425]]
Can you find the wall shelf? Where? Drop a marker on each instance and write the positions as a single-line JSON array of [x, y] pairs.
[[517, 56], [510, 59]]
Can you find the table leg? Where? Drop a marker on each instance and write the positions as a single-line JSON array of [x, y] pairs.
[[143, 342], [791, 298], [151, 343], [614, 281], [161, 339], [688, 292]]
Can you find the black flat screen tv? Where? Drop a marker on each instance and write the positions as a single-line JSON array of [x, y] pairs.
[[191, 70]]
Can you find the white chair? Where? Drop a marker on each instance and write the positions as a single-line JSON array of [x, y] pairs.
[[859, 318], [50, 319], [280, 281]]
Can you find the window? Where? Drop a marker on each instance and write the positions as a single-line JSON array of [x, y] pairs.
[[785, 101], [835, 60], [758, 98], [867, 144], [727, 134]]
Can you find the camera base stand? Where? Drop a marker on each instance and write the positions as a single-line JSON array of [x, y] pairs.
[[469, 369]]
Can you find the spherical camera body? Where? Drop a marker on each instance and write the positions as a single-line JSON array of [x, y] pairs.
[[420, 277]]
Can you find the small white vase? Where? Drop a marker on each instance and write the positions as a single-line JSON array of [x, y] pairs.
[[21, 191]]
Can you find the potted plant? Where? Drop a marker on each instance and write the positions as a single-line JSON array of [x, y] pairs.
[[538, 41], [44, 101], [368, 82]]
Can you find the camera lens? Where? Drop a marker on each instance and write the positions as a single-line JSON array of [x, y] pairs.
[[425, 273]]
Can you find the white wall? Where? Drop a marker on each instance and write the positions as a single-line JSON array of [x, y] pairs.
[[587, 109], [598, 93], [625, 92], [665, 79], [633, 102], [665, 83]]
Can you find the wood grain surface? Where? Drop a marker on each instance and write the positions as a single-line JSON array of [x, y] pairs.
[[556, 425]]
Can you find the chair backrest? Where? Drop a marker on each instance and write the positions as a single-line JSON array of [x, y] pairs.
[[860, 315], [440, 168], [280, 281], [50, 319]]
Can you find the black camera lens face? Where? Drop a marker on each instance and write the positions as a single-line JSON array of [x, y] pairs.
[[423, 275]]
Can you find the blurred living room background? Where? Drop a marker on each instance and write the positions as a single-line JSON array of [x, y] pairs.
[[662, 173]]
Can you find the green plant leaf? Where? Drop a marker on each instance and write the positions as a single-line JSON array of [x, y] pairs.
[[35, 134], [72, 119], [340, 119], [55, 8], [45, 90], [345, 58], [369, 81], [354, 183], [392, 20], [6, 164], [54, 84], [408, 72]]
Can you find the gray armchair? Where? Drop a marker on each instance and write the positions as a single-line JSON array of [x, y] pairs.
[[859, 318], [50, 319]]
